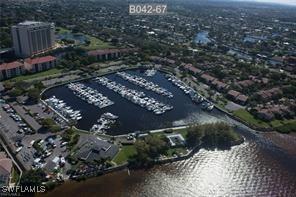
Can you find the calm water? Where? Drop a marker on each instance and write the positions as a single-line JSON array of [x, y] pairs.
[[81, 39], [133, 117], [255, 168], [202, 37]]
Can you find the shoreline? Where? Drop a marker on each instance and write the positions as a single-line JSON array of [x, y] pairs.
[[190, 153], [166, 160]]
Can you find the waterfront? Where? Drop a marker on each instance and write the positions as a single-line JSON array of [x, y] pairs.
[[255, 168], [133, 117]]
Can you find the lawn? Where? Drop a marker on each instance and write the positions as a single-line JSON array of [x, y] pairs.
[[123, 155], [177, 151], [183, 132], [286, 126], [249, 118], [15, 175], [95, 43], [37, 75], [62, 30]]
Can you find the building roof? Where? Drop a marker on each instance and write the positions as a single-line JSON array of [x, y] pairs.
[[93, 149], [11, 65], [32, 23], [40, 60], [219, 84], [108, 51], [246, 83], [176, 139], [190, 67], [5, 166], [233, 93], [207, 77], [269, 93], [2, 155], [242, 98]]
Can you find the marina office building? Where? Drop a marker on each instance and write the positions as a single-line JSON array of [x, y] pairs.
[[31, 37]]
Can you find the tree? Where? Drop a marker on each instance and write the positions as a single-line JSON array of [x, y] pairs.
[[34, 94], [22, 85], [156, 145], [15, 92], [33, 178], [50, 124], [39, 85], [193, 135], [8, 85], [148, 149]]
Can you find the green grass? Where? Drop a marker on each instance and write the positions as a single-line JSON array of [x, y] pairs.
[[95, 43], [123, 155], [287, 126], [15, 175], [178, 151], [183, 132], [62, 30], [249, 118], [37, 75], [278, 123]]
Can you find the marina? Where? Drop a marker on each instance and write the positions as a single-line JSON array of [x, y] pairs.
[[136, 97], [132, 116], [104, 123], [150, 72], [90, 95], [145, 84], [61, 107], [195, 97]]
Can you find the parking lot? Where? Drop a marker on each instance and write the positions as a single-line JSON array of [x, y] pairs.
[[21, 139]]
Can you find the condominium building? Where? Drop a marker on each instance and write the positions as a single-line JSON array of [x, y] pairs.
[[39, 64], [31, 37], [29, 65], [12, 69]]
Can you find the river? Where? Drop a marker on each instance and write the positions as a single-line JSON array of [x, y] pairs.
[[255, 168]]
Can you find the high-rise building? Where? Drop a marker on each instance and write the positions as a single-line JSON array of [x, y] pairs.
[[31, 37]]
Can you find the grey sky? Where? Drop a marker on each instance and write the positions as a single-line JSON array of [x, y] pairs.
[[287, 2]]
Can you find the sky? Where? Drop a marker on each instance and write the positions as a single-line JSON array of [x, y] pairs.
[[286, 2]]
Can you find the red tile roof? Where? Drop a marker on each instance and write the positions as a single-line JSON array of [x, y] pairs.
[[207, 77], [11, 65], [242, 98], [190, 67], [40, 60], [6, 164], [219, 84], [246, 83], [233, 93]]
